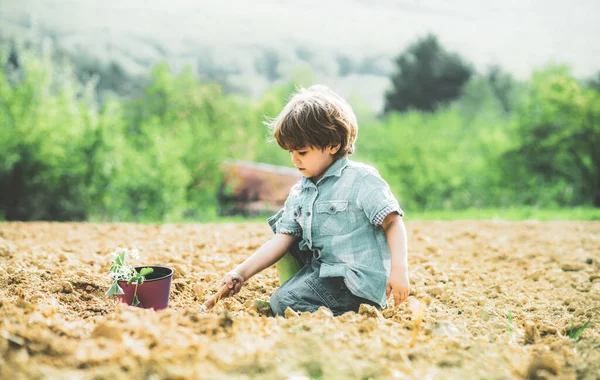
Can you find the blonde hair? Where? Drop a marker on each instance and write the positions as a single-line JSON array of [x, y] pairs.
[[316, 117]]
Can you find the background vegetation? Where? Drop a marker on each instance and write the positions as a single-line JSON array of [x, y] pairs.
[[86, 142]]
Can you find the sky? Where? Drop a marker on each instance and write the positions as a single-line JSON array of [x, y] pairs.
[[518, 35]]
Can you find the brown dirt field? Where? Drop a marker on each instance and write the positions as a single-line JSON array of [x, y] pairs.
[[56, 321]]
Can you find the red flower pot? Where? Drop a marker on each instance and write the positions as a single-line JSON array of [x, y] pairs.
[[153, 293]]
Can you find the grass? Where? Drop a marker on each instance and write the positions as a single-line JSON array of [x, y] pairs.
[[508, 214], [575, 334], [509, 325]]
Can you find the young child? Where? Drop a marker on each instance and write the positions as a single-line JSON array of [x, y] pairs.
[[341, 220]]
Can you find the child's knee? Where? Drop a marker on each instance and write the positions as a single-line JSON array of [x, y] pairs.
[[276, 303], [284, 298]]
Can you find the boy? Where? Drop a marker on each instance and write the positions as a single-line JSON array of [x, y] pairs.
[[341, 220]]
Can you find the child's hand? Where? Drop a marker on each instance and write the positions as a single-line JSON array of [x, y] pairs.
[[398, 286], [234, 281]]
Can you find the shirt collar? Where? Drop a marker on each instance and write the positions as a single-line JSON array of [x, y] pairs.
[[335, 170]]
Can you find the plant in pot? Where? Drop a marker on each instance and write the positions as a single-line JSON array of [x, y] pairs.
[[142, 286]]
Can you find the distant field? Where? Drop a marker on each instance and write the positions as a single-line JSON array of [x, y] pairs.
[[513, 214]]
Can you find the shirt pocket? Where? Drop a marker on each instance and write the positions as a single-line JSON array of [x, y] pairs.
[[333, 217], [298, 215]]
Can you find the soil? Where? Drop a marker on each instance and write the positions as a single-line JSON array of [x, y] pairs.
[[489, 300]]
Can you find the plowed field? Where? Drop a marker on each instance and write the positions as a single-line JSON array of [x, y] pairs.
[[489, 300]]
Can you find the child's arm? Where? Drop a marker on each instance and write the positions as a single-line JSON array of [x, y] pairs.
[[264, 257], [395, 232]]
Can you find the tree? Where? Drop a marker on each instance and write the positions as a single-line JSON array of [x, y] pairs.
[[502, 85], [268, 65], [594, 82], [558, 134], [427, 77]]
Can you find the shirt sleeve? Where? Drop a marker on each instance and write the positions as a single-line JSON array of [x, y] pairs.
[[284, 222], [376, 199]]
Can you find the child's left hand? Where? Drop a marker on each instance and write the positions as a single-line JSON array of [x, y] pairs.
[[398, 286]]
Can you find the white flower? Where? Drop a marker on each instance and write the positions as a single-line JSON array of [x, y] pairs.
[[123, 271], [134, 253]]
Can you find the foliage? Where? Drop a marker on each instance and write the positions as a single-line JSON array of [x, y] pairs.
[[509, 324], [428, 76], [594, 82], [556, 138], [429, 163], [503, 146], [47, 124], [576, 333], [120, 270]]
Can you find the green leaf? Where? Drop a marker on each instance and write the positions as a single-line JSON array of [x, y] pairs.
[[119, 259], [575, 334], [136, 301], [146, 271], [115, 289], [132, 280], [509, 325]]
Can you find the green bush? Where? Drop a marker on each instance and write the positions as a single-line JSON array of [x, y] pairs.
[[157, 157], [45, 120]]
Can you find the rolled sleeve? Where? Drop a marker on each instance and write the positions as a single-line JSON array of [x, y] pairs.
[[376, 199], [284, 223]]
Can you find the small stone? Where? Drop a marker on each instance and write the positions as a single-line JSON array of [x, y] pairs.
[[532, 333], [323, 312], [289, 313], [547, 329], [55, 288], [426, 300], [62, 257], [535, 275], [435, 291], [484, 314], [571, 267], [67, 287], [48, 312], [388, 313], [369, 311]]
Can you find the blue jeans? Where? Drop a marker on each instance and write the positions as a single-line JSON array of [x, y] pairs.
[[306, 291]]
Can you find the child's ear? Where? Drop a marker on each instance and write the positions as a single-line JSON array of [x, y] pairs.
[[334, 148]]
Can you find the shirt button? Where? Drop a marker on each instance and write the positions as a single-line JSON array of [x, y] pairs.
[[308, 213], [332, 209]]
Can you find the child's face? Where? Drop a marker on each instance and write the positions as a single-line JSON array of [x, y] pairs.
[[313, 162]]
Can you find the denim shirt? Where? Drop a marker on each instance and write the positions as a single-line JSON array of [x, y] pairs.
[[339, 219]]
